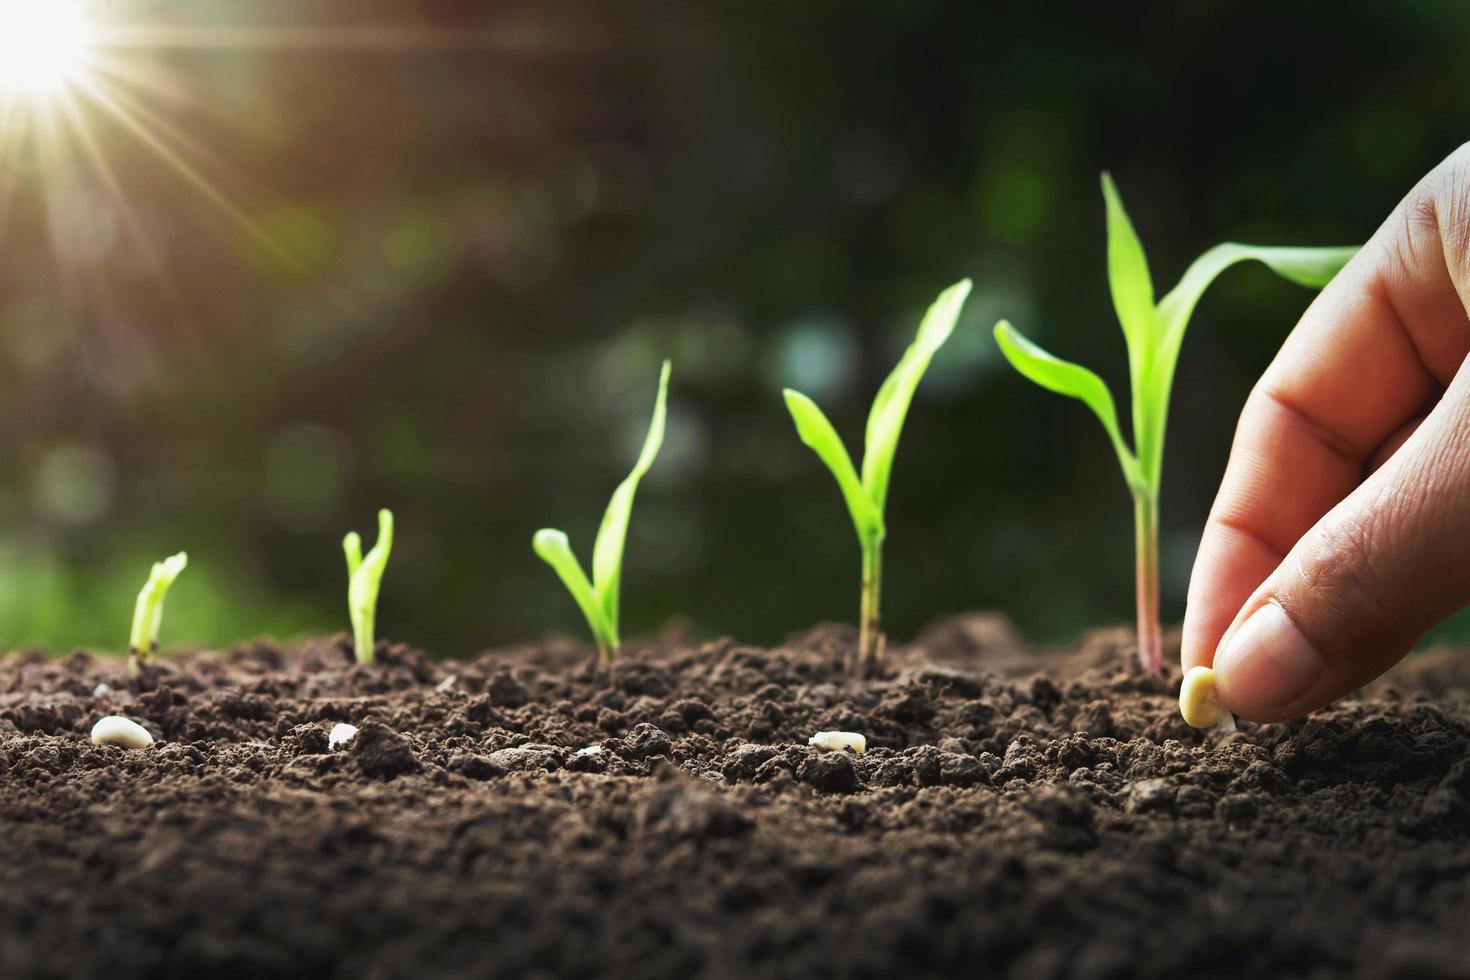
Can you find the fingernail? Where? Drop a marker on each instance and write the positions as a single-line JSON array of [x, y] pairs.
[[1268, 666]]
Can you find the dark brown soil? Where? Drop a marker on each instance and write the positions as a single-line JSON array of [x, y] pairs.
[[1017, 815]]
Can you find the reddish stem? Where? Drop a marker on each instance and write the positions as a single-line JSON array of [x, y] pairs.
[[870, 636], [1150, 635]]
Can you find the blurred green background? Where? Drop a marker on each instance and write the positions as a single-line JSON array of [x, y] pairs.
[[428, 255]]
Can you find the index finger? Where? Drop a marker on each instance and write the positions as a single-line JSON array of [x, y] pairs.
[[1376, 345]]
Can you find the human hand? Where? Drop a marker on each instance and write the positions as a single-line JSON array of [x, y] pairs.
[[1341, 532]]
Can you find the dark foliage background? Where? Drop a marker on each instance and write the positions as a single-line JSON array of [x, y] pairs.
[[431, 259]]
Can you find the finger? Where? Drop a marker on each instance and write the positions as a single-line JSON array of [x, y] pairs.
[[1378, 344], [1355, 594], [1392, 444]]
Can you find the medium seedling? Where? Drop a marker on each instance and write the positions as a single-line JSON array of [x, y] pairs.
[[364, 575], [867, 494], [598, 598], [1153, 333], [148, 612]]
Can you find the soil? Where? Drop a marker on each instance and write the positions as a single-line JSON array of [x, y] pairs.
[[1018, 813]]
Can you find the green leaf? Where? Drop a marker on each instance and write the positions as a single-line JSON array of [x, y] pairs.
[[1128, 278], [891, 406], [364, 577], [1312, 267], [607, 551], [814, 430], [552, 546], [1072, 380], [148, 612]]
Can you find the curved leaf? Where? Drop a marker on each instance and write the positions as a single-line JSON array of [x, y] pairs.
[[1072, 380], [814, 429], [607, 551], [1311, 267], [1128, 276], [554, 549], [891, 406]]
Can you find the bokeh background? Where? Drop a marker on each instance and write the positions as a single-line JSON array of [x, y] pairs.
[[428, 255]]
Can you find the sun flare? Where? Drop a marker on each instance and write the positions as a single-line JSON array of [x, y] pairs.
[[43, 44]]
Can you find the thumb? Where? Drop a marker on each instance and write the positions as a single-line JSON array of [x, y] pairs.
[[1364, 585]]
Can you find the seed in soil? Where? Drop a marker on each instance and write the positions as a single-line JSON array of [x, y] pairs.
[[839, 741], [867, 494], [117, 730], [341, 734], [1153, 334], [598, 598]]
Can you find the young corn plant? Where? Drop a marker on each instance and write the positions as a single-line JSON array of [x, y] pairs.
[[1153, 333], [364, 575], [148, 612], [866, 495], [598, 598]]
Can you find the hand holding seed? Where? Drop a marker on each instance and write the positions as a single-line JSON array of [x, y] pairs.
[[1338, 537]]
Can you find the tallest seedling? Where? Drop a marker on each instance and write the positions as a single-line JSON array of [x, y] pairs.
[[1153, 333], [867, 494]]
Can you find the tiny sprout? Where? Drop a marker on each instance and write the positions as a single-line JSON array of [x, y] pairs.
[[117, 730], [1199, 703], [598, 598], [838, 741], [1153, 333], [148, 612], [867, 494], [364, 575]]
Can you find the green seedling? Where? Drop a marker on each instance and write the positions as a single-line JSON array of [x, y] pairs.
[[867, 494], [364, 575], [1153, 333], [598, 598], [148, 612]]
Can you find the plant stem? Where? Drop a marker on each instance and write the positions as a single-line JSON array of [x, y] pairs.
[[1146, 531], [870, 639], [362, 643]]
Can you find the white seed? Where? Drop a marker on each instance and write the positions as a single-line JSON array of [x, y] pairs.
[[589, 750], [446, 685], [117, 730], [837, 741], [341, 734], [101, 690], [1198, 702]]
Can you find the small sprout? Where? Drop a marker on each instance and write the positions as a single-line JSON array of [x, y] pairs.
[[364, 575], [838, 741], [117, 730], [1153, 333], [598, 597], [1200, 704], [447, 684], [148, 612], [867, 494], [340, 735]]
